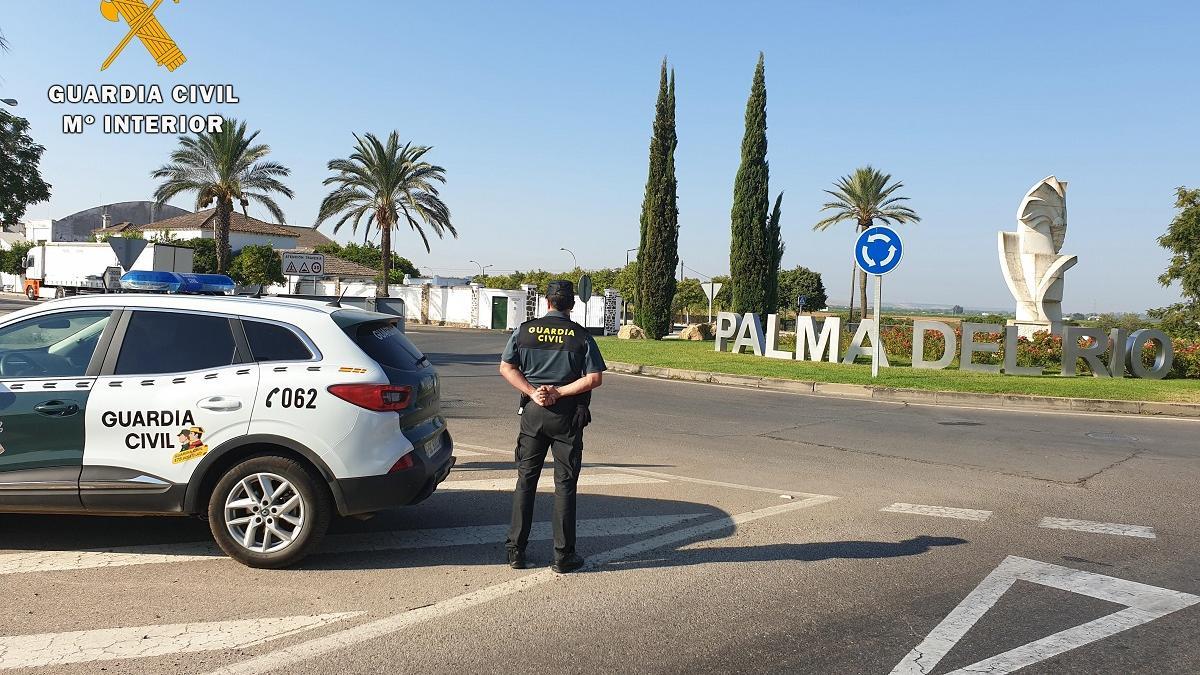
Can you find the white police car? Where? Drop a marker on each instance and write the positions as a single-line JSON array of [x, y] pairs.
[[264, 415]]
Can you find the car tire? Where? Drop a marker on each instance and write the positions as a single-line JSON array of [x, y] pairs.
[[30, 293], [246, 521]]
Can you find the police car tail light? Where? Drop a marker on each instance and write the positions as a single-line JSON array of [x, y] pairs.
[[377, 397], [403, 464]]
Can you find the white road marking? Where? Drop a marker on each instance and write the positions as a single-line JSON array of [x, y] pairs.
[[60, 561], [110, 644], [658, 474], [284, 659], [1142, 531], [1143, 604], [939, 511], [545, 482]]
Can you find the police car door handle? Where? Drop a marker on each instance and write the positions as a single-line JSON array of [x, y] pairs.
[[220, 404], [57, 408]]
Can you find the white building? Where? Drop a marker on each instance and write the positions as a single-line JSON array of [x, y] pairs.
[[39, 230]]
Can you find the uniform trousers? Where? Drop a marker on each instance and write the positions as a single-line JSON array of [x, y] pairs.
[[545, 429]]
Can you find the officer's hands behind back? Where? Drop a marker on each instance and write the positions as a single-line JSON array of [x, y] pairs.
[[546, 395]]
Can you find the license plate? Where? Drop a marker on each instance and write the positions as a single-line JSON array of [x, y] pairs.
[[433, 447]]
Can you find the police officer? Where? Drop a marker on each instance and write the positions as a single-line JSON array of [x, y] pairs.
[[555, 364]]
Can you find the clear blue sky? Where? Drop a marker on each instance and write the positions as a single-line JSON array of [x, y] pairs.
[[541, 113]]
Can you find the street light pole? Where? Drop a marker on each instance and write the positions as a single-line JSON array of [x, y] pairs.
[[9, 101], [627, 252], [573, 260], [482, 269]]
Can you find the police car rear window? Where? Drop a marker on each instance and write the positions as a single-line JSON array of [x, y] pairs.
[[384, 343], [170, 342], [272, 342]]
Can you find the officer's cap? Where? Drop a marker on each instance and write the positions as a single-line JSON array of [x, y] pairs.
[[560, 288]]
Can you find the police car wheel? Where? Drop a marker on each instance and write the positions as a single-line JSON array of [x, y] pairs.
[[268, 512]]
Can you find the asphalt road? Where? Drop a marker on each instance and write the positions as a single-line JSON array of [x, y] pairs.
[[12, 302], [729, 530]]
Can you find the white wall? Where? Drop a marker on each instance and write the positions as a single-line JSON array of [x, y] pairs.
[[516, 306], [240, 240], [39, 230], [595, 311], [452, 304]]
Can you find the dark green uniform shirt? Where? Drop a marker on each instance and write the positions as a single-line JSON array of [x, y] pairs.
[[553, 350]]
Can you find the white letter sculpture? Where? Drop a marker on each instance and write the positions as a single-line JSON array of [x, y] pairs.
[[1030, 258]]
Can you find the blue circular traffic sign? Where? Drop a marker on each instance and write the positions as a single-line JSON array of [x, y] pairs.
[[878, 250]]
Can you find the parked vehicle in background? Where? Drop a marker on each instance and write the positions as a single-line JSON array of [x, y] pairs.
[[56, 270]]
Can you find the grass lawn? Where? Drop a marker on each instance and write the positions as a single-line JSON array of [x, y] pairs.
[[700, 356]]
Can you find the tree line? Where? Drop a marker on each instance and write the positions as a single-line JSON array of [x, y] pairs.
[[756, 283]]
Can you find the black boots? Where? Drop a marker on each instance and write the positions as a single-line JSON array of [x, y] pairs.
[[568, 564], [517, 560]]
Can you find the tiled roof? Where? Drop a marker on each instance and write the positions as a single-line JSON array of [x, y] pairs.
[[307, 237], [115, 229], [337, 267]]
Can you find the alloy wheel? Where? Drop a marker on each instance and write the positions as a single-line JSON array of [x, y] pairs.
[[264, 513]]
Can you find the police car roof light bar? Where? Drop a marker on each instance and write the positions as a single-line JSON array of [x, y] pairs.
[[145, 281]]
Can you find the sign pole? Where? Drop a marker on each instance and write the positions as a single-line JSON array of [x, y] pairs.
[[878, 328]]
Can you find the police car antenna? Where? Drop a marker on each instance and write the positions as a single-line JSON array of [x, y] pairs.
[[258, 294], [338, 302]]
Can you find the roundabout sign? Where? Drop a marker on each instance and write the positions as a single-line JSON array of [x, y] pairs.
[[878, 250]]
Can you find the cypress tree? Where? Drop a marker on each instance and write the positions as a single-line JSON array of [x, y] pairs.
[[658, 250], [756, 246], [775, 249]]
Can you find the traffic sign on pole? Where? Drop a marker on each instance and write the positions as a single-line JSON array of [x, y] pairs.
[[711, 289], [878, 251]]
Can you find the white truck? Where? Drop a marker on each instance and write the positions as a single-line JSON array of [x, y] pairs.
[[55, 270]]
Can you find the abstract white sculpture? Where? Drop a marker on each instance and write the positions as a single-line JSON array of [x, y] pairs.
[[1030, 258]]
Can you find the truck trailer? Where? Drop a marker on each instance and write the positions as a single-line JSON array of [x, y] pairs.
[[56, 270]]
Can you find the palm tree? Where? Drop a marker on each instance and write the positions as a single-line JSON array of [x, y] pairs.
[[222, 167], [865, 196], [387, 184]]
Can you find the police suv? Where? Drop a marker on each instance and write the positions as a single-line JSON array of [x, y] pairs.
[[264, 415]]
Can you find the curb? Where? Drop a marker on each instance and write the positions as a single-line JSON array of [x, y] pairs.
[[929, 397]]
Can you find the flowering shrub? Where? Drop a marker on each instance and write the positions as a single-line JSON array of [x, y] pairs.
[[1187, 358]]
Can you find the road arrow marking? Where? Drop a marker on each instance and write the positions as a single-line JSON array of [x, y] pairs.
[[111, 644], [157, 554], [1144, 603]]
